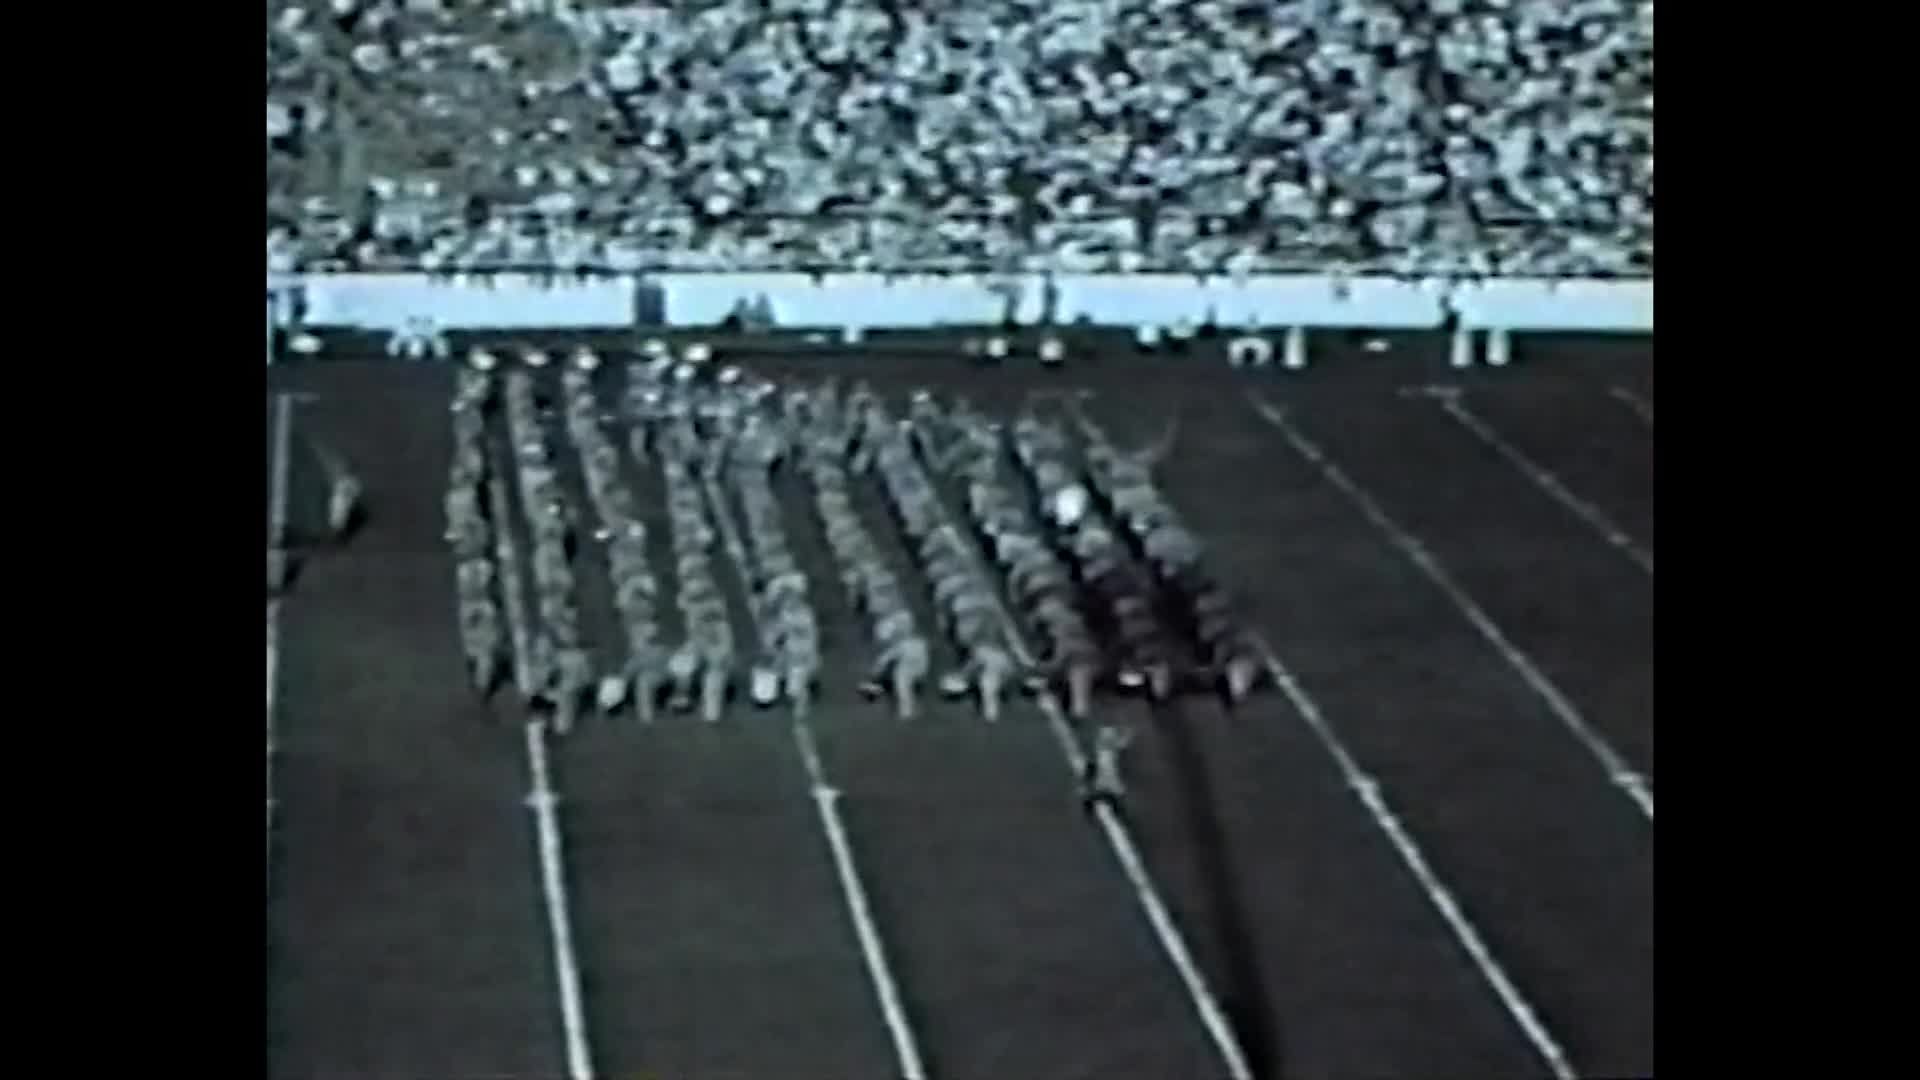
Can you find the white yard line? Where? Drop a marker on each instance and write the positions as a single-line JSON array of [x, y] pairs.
[[1449, 399], [1165, 929], [273, 698], [1633, 784], [1641, 407], [541, 798], [1118, 837], [1367, 790], [276, 538], [826, 802], [553, 886], [282, 465]]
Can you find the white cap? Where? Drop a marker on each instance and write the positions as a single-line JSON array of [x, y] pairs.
[[612, 693], [534, 358], [997, 347], [698, 353], [765, 687], [1052, 350], [585, 359], [482, 360], [1069, 505]]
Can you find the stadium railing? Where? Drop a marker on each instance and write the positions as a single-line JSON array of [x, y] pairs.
[[1303, 281], [385, 301]]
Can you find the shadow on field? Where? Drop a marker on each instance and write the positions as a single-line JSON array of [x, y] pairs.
[[1238, 980]]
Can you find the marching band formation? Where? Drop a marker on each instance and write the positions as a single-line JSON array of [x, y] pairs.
[[964, 600], [902, 657], [1123, 483], [1094, 565], [469, 533], [635, 592]]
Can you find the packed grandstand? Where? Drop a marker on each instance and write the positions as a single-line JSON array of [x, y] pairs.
[[1412, 137]]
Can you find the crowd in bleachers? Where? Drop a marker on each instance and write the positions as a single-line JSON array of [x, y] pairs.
[[1408, 136]]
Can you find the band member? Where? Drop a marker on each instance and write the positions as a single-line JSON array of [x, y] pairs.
[[1103, 781]]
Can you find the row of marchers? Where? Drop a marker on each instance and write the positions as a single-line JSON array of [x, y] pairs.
[[1100, 571]]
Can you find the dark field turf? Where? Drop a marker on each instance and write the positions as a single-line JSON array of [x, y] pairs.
[[407, 934]]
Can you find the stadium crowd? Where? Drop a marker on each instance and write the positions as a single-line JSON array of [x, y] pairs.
[[1406, 136]]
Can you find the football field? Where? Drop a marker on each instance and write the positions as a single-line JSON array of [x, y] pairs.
[[1425, 850]]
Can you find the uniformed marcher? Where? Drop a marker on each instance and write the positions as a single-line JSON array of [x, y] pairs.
[[902, 658], [1104, 782], [638, 677], [700, 671], [964, 600], [343, 490], [1224, 645]]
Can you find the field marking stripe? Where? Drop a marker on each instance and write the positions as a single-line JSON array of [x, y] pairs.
[[826, 799], [1543, 478], [1637, 787], [1368, 791], [273, 698], [1641, 407], [553, 885], [276, 538], [282, 466], [1127, 852], [1118, 837], [541, 798]]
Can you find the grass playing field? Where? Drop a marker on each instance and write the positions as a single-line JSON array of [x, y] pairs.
[[1463, 601]]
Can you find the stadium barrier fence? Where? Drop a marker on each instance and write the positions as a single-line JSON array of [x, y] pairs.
[[386, 301]]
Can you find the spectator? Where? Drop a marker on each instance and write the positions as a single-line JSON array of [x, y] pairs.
[[1451, 136]]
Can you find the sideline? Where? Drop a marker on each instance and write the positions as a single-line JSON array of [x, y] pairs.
[[276, 539]]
